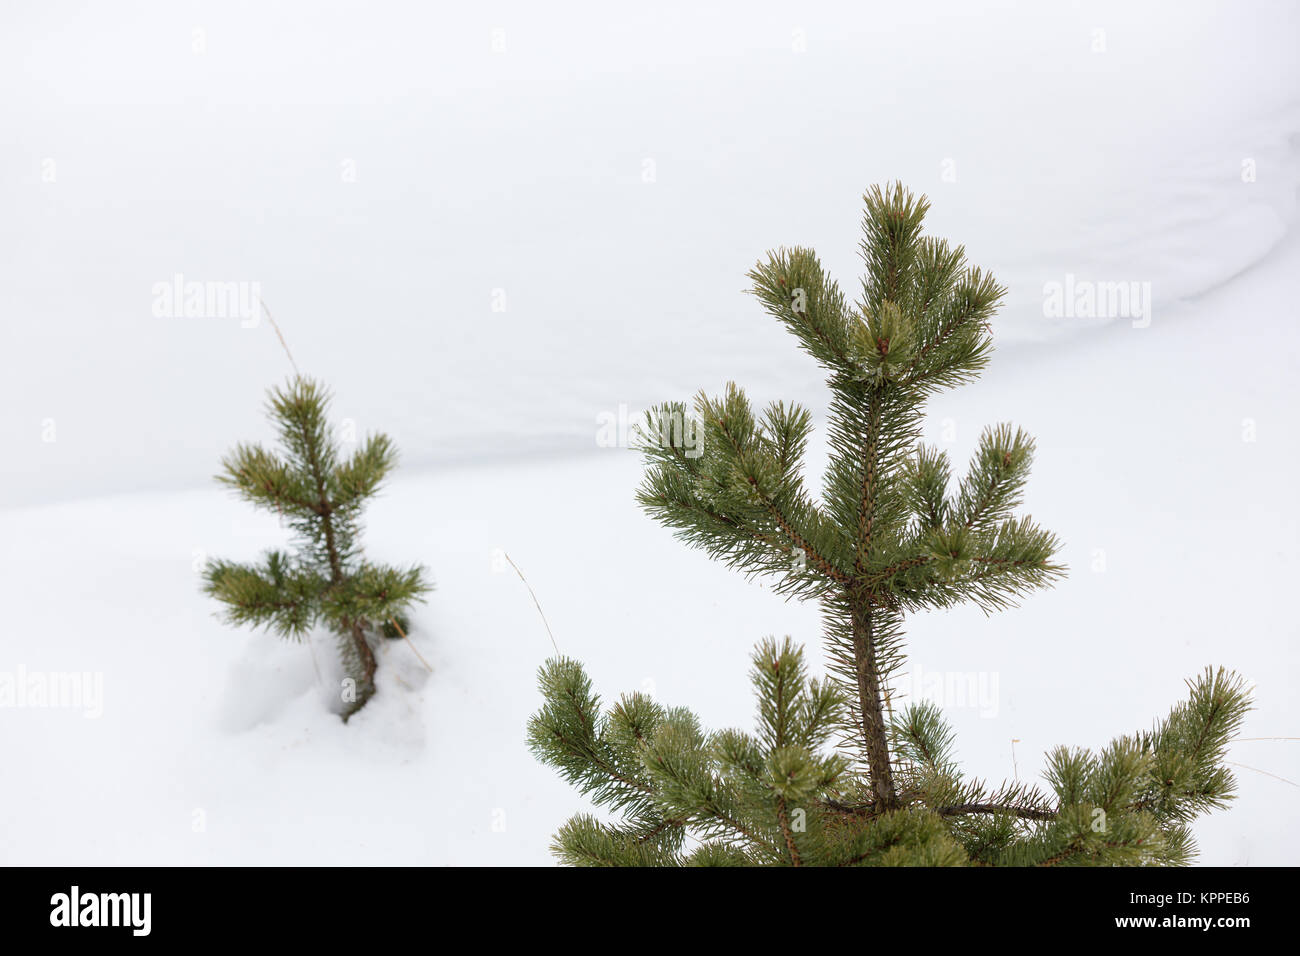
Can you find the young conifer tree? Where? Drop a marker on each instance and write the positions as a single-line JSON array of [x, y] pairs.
[[891, 534], [324, 578]]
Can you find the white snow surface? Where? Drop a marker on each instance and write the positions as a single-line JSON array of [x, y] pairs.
[[381, 174], [1166, 453], [1179, 536]]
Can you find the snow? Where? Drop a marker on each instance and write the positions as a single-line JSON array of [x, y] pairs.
[[235, 727], [1164, 452], [473, 171]]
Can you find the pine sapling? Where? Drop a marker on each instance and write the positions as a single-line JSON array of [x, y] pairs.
[[891, 534], [324, 578]]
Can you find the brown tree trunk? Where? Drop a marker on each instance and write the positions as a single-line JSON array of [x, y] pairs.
[[367, 658], [355, 629], [871, 708]]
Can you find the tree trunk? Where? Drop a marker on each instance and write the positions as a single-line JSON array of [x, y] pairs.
[[871, 708], [354, 629], [366, 656]]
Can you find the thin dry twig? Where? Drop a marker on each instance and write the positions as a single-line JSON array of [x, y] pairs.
[[1264, 772], [279, 335], [535, 601], [393, 621]]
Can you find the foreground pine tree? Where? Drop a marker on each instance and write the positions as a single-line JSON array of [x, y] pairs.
[[890, 535], [324, 579]]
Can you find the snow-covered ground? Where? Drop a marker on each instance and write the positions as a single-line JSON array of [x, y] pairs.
[[216, 746], [475, 247], [489, 233]]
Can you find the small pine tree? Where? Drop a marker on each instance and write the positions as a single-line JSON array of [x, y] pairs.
[[889, 536], [325, 578]]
